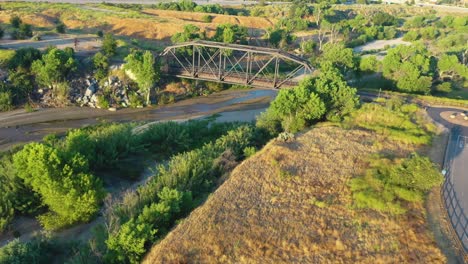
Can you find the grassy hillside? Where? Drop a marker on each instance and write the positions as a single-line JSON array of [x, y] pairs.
[[146, 23], [291, 203]]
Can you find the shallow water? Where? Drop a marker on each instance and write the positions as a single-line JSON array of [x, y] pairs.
[[19, 127]]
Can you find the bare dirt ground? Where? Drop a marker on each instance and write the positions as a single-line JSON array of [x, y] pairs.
[[85, 43], [380, 44]]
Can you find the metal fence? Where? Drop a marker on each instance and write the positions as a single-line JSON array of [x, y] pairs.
[[455, 212]]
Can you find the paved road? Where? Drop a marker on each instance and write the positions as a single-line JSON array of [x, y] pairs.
[[457, 168]]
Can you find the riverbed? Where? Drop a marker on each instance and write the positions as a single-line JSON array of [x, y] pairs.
[[18, 126]]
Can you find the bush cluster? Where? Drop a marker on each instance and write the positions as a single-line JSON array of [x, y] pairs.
[[173, 191], [58, 173], [390, 183], [327, 95]]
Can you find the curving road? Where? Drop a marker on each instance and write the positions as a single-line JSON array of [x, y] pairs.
[[455, 189]]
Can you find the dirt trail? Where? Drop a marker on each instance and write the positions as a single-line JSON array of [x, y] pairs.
[[85, 44]]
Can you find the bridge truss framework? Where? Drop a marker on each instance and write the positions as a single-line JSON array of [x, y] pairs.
[[235, 64]]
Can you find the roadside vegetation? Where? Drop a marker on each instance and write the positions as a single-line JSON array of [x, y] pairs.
[[373, 173]]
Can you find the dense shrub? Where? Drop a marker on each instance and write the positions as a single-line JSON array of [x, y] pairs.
[[37, 251], [169, 194], [100, 65], [397, 121], [409, 67], [6, 102], [384, 19], [411, 35], [23, 58], [54, 67], [15, 196], [60, 28], [64, 184], [389, 183], [15, 21], [24, 31], [109, 45]]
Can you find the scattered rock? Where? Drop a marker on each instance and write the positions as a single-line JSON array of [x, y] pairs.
[[112, 109]]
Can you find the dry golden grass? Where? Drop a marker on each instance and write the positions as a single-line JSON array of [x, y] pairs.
[[290, 203], [197, 19], [149, 23]]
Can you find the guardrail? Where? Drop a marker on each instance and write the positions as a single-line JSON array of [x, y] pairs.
[[456, 214]]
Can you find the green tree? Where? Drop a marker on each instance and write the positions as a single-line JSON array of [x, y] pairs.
[[229, 33], [23, 58], [409, 67], [369, 64], [296, 108], [109, 44], [22, 85], [190, 32], [60, 28], [24, 31], [449, 67], [65, 186], [279, 37], [145, 69], [54, 67], [340, 99], [101, 65], [15, 21], [187, 5], [338, 55]]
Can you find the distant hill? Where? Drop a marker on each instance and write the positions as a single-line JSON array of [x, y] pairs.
[[291, 203]]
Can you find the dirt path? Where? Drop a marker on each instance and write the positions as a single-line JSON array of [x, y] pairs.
[[85, 45], [380, 44]]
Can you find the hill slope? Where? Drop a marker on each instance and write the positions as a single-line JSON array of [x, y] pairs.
[[290, 203]]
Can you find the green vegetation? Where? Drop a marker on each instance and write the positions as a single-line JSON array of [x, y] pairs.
[[59, 172], [395, 120], [145, 69], [54, 67], [109, 44], [100, 65], [409, 67], [63, 182], [173, 192], [389, 183], [327, 95]]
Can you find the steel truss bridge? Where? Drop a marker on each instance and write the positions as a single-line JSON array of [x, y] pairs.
[[235, 64]]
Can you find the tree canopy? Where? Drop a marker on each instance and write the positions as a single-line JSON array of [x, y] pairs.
[[54, 67], [145, 69], [409, 67]]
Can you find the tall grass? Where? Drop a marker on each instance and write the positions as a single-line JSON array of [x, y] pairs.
[[400, 122]]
